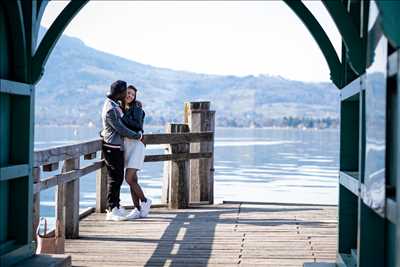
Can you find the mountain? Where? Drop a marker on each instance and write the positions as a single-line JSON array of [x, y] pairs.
[[77, 78]]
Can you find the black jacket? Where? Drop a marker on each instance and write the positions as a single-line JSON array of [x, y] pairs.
[[114, 130], [134, 117]]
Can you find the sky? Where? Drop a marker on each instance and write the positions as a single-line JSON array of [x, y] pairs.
[[212, 37]]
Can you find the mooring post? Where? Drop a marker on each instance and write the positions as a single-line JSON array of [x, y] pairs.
[[166, 174], [71, 200], [101, 188], [179, 171], [60, 217], [200, 118]]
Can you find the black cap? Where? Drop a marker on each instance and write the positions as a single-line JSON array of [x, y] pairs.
[[117, 87]]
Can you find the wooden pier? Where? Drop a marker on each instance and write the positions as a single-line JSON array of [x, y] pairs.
[[212, 235], [186, 229], [366, 70], [183, 183]]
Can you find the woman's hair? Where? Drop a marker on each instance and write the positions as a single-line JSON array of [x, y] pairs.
[[132, 87], [133, 101]]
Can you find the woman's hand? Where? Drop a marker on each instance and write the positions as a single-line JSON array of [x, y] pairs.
[[142, 139]]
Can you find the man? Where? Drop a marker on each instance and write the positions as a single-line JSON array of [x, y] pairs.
[[113, 134]]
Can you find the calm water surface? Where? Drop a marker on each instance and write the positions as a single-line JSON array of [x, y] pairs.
[[270, 165]]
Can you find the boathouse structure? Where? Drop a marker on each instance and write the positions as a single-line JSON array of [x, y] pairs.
[[368, 227]]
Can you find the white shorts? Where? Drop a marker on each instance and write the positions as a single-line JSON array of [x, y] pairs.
[[133, 153]]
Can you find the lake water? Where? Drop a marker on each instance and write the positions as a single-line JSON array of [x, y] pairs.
[[268, 165]]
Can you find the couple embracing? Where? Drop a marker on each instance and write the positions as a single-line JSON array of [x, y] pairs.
[[123, 150]]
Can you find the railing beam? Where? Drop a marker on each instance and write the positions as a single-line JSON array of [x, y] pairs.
[[175, 185], [57, 154]]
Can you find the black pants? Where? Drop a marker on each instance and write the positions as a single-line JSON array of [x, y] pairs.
[[114, 159]]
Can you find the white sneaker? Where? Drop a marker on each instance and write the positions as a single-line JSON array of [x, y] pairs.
[[145, 208], [122, 211], [114, 215], [134, 214]]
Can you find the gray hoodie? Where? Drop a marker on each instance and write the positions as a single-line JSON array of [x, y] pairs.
[[114, 130]]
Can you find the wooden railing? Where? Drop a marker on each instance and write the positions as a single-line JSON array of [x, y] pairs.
[[176, 185]]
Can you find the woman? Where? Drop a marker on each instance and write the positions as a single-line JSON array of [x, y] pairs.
[[134, 153]]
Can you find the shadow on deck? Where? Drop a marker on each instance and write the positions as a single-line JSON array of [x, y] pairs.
[[218, 235]]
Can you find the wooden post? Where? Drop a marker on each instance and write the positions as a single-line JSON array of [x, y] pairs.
[[179, 172], [71, 200], [210, 117], [36, 201], [60, 215], [101, 188], [166, 177], [200, 118]]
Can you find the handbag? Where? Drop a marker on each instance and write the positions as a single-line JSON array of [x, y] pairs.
[[50, 242]]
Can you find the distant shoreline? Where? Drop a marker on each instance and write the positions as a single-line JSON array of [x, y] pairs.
[[218, 127]]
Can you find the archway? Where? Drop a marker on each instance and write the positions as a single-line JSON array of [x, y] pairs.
[[21, 67]]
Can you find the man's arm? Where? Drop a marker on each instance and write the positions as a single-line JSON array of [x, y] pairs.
[[144, 114], [115, 121]]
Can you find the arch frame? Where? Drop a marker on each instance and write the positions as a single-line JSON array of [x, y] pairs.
[[321, 38], [350, 34], [389, 12], [52, 35], [18, 42]]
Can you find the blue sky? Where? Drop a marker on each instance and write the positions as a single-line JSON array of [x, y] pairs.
[[236, 38]]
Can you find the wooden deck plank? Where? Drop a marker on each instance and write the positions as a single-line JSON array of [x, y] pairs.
[[218, 235]]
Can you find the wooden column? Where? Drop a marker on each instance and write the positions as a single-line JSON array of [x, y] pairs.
[[200, 118], [71, 200], [36, 201], [60, 215], [166, 176], [101, 188], [179, 171]]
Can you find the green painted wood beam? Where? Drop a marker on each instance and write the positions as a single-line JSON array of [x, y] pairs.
[[347, 224], [396, 158], [389, 12], [371, 237], [52, 35], [321, 38], [16, 255], [29, 16], [11, 172], [4, 46], [348, 74], [18, 47], [374, 36], [349, 32], [40, 8], [16, 88]]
